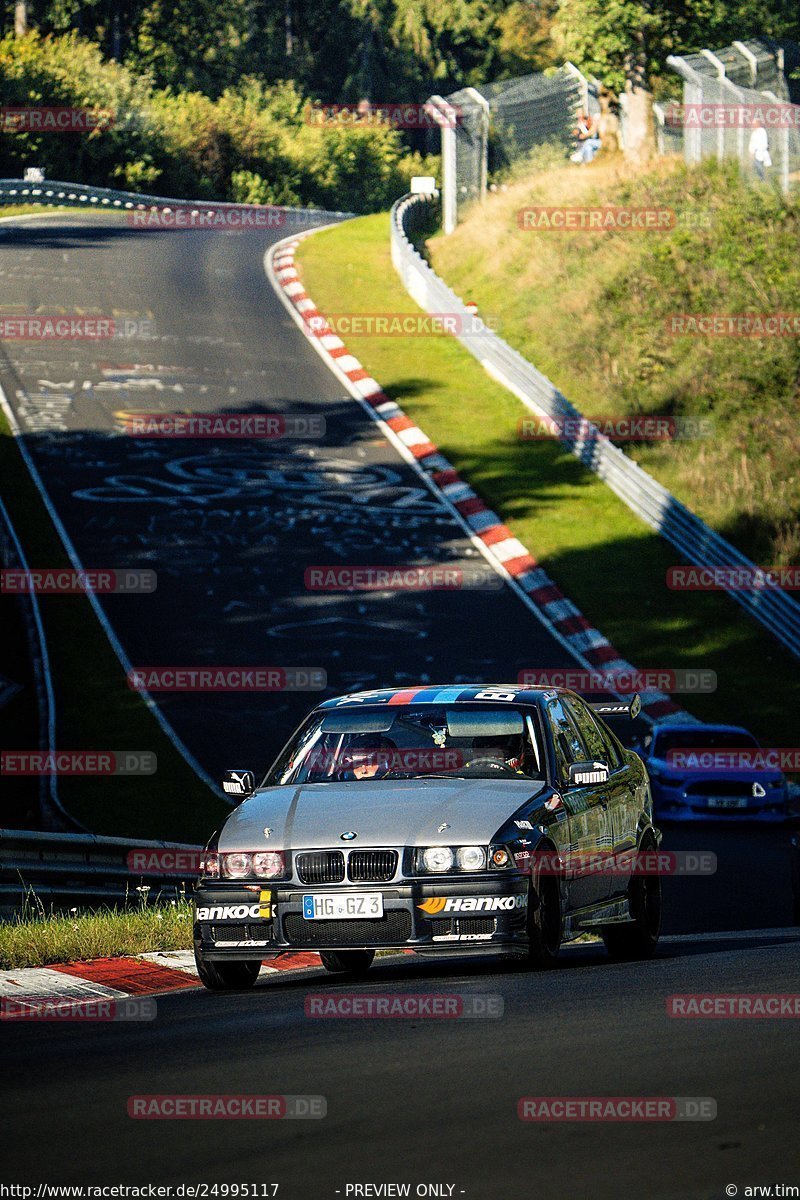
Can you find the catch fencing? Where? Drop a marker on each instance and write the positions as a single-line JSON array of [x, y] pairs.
[[504, 121], [700, 545], [727, 94]]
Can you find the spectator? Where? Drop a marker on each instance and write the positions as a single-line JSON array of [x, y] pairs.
[[759, 151], [586, 135]]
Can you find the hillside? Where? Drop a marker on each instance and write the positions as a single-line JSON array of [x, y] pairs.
[[593, 310]]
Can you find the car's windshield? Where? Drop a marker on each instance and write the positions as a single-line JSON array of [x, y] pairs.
[[700, 738], [405, 742]]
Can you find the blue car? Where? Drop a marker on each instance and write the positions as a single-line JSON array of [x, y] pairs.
[[711, 772]]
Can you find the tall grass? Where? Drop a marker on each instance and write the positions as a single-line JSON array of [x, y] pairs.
[[34, 938]]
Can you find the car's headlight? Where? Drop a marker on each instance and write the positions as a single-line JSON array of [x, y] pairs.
[[437, 859], [268, 864], [471, 858], [237, 865], [209, 865]]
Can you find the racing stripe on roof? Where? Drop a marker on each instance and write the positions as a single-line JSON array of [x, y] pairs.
[[510, 557], [405, 697], [446, 695]]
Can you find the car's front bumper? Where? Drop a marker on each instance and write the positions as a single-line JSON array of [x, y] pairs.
[[245, 921], [684, 802]]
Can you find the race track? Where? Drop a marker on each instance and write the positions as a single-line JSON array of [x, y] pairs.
[[430, 1101], [230, 527]]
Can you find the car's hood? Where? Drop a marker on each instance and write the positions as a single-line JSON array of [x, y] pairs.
[[385, 813]]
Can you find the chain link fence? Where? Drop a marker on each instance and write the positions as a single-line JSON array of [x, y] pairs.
[[489, 129], [737, 103]]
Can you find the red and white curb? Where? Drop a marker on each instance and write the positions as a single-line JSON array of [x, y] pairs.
[[495, 540], [82, 984]]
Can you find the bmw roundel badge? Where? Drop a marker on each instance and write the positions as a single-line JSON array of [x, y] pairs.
[[348, 835]]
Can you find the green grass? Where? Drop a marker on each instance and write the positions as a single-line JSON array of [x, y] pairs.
[[591, 310], [36, 940], [603, 557], [95, 708]]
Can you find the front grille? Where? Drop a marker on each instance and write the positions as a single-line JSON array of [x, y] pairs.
[[220, 934], [372, 866], [721, 787], [323, 866], [392, 928], [455, 925]]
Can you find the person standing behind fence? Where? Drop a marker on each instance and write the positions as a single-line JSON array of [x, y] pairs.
[[759, 151]]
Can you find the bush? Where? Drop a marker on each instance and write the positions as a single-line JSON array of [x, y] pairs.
[[254, 144]]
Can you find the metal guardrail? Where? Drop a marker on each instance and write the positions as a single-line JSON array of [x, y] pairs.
[[57, 871], [700, 545], [76, 195]]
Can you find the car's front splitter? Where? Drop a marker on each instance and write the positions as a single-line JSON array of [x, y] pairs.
[[245, 921]]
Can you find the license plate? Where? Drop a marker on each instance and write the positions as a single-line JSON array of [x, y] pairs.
[[727, 802], [331, 906]]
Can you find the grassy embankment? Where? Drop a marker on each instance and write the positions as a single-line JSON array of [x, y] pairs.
[[603, 557]]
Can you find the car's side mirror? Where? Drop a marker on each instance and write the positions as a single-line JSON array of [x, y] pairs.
[[239, 784], [581, 773]]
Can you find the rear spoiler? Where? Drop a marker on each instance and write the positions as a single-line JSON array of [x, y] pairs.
[[617, 708]]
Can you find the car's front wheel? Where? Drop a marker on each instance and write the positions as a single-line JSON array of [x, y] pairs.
[[226, 976], [638, 940], [353, 962], [544, 922]]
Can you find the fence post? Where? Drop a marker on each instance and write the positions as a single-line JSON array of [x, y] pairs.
[[444, 116], [783, 141], [483, 104]]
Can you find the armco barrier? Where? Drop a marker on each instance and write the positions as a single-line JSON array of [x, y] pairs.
[[75, 195], [60, 870], [700, 545]]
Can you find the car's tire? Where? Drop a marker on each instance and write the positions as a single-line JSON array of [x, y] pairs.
[[545, 922], [226, 976], [352, 962], [627, 943]]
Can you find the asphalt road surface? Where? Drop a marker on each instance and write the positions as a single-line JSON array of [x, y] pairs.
[[230, 526], [421, 1101]]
